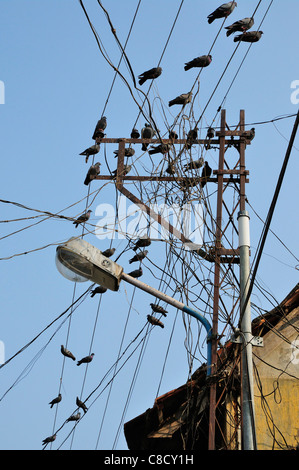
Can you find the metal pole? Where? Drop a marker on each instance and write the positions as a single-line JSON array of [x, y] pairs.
[[177, 304], [248, 425]]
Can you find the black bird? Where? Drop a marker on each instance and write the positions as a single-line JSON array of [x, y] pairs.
[[202, 61], [206, 173], [241, 25], [222, 12], [173, 135], [250, 36], [81, 404], [75, 417], [150, 75], [161, 148], [93, 150], [147, 132], [98, 290], [129, 152], [252, 134], [154, 321], [158, 309], [210, 133], [49, 439], [135, 134], [55, 400], [67, 353], [139, 256], [183, 99], [191, 137], [83, 218], [86, 359], [142, 242], [93, 171], [99, 129], [109, 252], [136, 273]]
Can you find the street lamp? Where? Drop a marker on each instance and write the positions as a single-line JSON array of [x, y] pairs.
[[79, 261]]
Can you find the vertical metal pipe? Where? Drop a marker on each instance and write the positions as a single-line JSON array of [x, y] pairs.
[[248, 425]]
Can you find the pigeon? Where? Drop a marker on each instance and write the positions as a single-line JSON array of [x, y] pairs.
[[126, 170], [67, 353], [210, 133], [154, 321], [99, 129], [173, 135], [158, 309], [75, 417], [161, 148], [252, 134], [139, 256], [183, 99], [86, 359], [49, 439], [98, 290], [129, 152], [222, 12], [55, 400], [136, 273], [93, 150], [194, 165], [83, 218], [202, 61], [135, 134], [81, 404], [109, 252], [241, 25], [206, 173], [189, 182], [93, 171], [142, 242], [147, 132], [191, 137], [149, 75], [170, 169], [250, 36]]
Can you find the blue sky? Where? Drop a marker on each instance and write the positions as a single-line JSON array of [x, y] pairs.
[[56, 84]]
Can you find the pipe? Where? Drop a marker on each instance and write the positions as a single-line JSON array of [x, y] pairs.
[[177, 304]]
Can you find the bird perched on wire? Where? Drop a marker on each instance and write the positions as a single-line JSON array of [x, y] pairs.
[[83, 218], [161, 148], [75, 417], [109, 252], [202, 61], [138, 257], [141, 243], [81, 405], [182, 99], [191, 137], [158, 309], [99, 129], [149, 75], [147, 132], [154, 321], [205, 174], [49, 439], [136, 273], [129, 152], [86, 359], [93, 150], [135, 134], [98, 290], [241, 25], [67, 353], [173, 135], [222, 12], [55, 400], [250, 36], [126, 170], [194, 165], [93, 171]]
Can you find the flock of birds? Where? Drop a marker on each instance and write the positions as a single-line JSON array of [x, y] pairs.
[[148, 132]]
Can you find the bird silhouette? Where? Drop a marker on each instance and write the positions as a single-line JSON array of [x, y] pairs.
[[55, 400], [154, 321], [149, 75], [81, 405], [82, 219], [158, 309], [98, 290], [67, 353], [222, 12], [86, 359]]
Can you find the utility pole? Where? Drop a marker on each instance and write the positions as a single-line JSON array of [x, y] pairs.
[[226, 174]]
